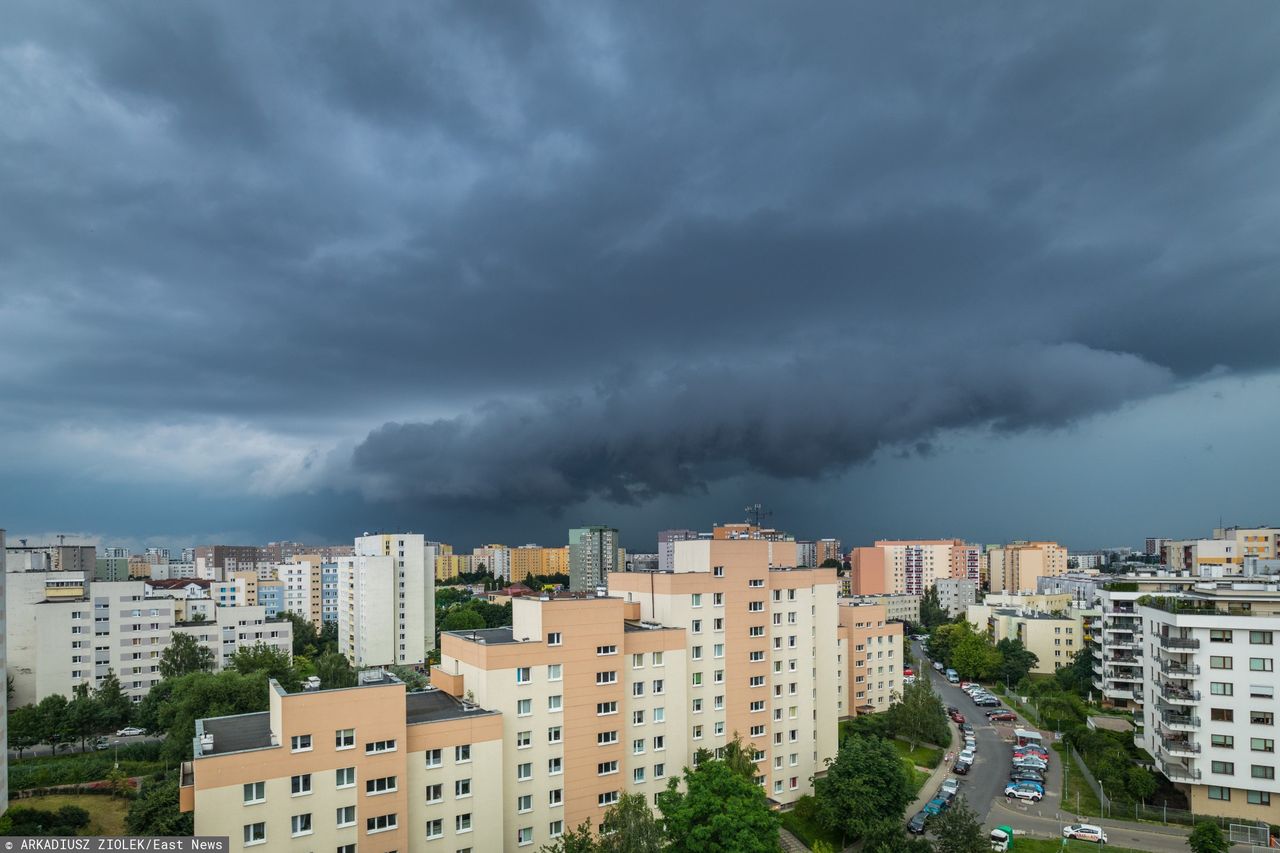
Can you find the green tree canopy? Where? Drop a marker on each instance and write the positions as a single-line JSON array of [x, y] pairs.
[[462, 619], [919, 715], [184, 655], [974, 657], [720, 811], [1016, 660], [83, 715], [52, 714], [173, 706], [958, 830], [268, 660], [866, 782], [306, 640], [831, 563], [25, 728], [334, 670], [577, 840], [932, 613], [115, 707], [155, 811], [630, 827], [1207, 837]]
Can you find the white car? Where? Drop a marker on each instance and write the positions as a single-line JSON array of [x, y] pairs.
[[1033, 763], [1085, 832], [970, 744], [966, 756], [131, 731], [951, 785], [1023, 793]]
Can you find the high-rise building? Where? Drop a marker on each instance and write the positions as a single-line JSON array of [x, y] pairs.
[[52, 558], [807, 553], [386, 601], [449, 565], [667, 540], [303, 587], [113, 553], [827, 549], [593, 555], [495, 558], [111, 569], [1153, 545], [870, 658], [535, 560], [911, 566], [956, 594], [1260, 542], [1015, 567]]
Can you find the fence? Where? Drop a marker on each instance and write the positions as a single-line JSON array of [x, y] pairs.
[[1090, 781]]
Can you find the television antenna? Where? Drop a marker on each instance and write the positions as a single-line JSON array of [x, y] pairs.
[[756, 513]]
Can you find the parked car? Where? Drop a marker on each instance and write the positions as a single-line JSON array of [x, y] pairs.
[[957, 718], [947, 797], [952, 709], [935, 806], [1031, 763], [938, 666], [988, 702], [1030, 786], [967, 728], [971, 744], [1085, 832], [961, 767], [952, 785], [1033, 750], [1001, 716], [1023, 793], [131, 731], [1026, 774], [967, 755], [916, 824], [1037, 755], [101, 744]]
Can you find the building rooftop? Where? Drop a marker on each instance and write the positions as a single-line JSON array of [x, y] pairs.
[[486, 636], [429, 706], [233, 734]]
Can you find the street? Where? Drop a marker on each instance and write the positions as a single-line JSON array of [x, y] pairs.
[[46, 749]]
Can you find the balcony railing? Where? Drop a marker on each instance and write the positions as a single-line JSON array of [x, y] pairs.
[[1177, 695], [1180, 722], [1179, 772], [1167, 642], [1124, 661], [1179, 746], [1193, 607], [1173, 669]]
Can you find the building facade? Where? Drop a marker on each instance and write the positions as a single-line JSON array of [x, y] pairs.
[[1015, 567], [911, 566], [870, 658], [898, 607], [386, 601], [495, 558], [594, 553], [956, 594]]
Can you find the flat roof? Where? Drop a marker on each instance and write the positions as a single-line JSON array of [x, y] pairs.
[[235, 734], [429, 706]]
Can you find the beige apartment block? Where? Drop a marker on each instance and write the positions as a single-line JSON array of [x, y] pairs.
[[870, 657], [898, 606], [1053, 638], [911, 566], [1015, 567], [370, 768]]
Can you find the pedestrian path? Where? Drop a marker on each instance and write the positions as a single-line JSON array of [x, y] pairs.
[[939, 773]]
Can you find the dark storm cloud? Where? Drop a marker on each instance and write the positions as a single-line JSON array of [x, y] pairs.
[[628, 250]]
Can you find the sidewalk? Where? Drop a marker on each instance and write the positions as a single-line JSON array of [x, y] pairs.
[[939, 773]]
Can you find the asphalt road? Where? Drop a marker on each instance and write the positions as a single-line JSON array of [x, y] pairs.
[[45, 749]]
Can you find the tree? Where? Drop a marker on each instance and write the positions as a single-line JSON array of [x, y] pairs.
[[115, 707], [1207, 837], [735, 754], [25, 728], [155, 811], [831, 563], [183, 656], [174, 705], [334, 670], [932, 613], [269, 661], [1078, 677], [462, 619], [574, 841], [958, 830], [866, 782], [889, 836], [974, 656], [720, 811], [52, 719], [1016, 660], [919, 715], [630, 827], [83, 715]]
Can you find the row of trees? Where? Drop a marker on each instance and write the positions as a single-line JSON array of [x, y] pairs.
[[972, 654], [720, 810], [82, 718]]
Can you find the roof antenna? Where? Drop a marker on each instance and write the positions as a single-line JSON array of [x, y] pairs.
[[756, 513]]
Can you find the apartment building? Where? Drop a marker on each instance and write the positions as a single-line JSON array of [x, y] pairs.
[[51, 558], [449, 565], [271, 597], [594, 553], [911, 566], [956, 594], [64, 633], [1209, 694], [869, 659], [807, 553], [826, 549], [1015, 567], [536, 560], [304, 586], [667, 540], [1054, 638], [495, 558], [386, 601], [111, 568], [371, 768], [1203, 557], [1260, 542], [899, 607]]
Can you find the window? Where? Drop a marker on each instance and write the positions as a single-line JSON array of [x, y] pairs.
[[755, 656], [524, 835], [637, 746], [300, 743], [524, 772], [637, 775], [1221, 688], [1262, 771], [717, 677], [1227, 741], [697, 706], [1222, 715], [554, 671], [609, 677], [381, 785], [1260, 638], [718, 571], [255, 833], [554, 767], [435, 793], [1262, 691], [637, 688], [553, 734], [433, 758], [462, 823], [1262, 718], [1262, 744], [553, 639], [524, 803], [524, 674], [604, 768], [378, 746], [555, 703], [604, 738], [347, 848], [696, 653], [607, 799], [435, 828], [696, 626], [659, 743], [755, 582], [696, 679], [717, 599], [1260, 664], [755, 606], [1259, 798], [756, 631], [346, 816], [757, 681], [300, 785], [524, 739], [637, 717], [1219, 662], [300, 824], [657, 658], [462, 754], [757, 705], [1219, 793], [1219, 636], [555, 797], [660, 715], [255, 792], [524, 707], [697, 732], [344, 739], [659, 771], [695, 600], [605, 708], [1223, 767], [461, 788], [606, 650]]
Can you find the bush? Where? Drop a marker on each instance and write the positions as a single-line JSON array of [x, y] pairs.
[[65, 821], [74, 769]]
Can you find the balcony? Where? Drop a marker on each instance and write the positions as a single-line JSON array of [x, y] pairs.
[[1125, 660], [1176, 771], [1097, 667], [1173, 669], [1123, 675], [1179, 643], [1118, 693], [1178, 695], [1179, 746], [1098, 684], [1179, 722], [1125, 643]]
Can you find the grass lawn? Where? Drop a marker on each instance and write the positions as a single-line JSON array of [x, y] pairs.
[[1076, 786], [1047, 845], [917, 777], [921, 756], [807, 829], [106, 814]]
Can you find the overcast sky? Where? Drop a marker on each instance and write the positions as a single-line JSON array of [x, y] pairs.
[[487, 271]]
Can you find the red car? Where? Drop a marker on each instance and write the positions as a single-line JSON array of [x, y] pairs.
[[1006, 716], [958, 718]]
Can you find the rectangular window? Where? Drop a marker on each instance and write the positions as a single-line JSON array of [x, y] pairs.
[[1262, 744], [553, 639], [1223, 767], [555, 797], [1226, 741], [604, 768], [435, 828], [435, 793], [1260, 638], [433, 757], [637, 661], [637, 746], [605, 738], [756, 631], [607, 799], [381, 785], [1222, 715], [695, 600], [657, 658], [300, 743], [554, 671], [300, 824], [299, 785], [255, 833], [696, 626], [255, 792], [524, 739], [462, 823], [1262, 718], [695, 653], [524, 674], [462, 754], [344, 739], [524, 707], [757, 681], [755, 606], [637, 717], [660, 715], [659, 771], [461, 789], [609, 677], [605, 708], [1221, 688], [1219, 793], [1260, 664], [637, 688], [1219, 636], [696, 679], [553, 734], [524, 771], [376, 747], [524, 835], [1259, 798], [1219, 662], [659, 743], [346, 816], [606, 650], [556, 828], [1262, 771], [524, 803], [554, 767], [555, 703]]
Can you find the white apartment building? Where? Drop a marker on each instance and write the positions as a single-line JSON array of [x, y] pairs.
[[956, 594], [1203, 557], [386, 601], [302, 589], [66, 636], [1209, 694], [496, 558]]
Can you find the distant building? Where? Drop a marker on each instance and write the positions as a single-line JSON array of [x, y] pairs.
[[111, 569], [386, 601], [827, 549], [593, 553], [1016, 566], [495, 558], [956, 594], [807, 553], [667, 540], [642, 563], [911, 566], [536, 560], [898, 606]]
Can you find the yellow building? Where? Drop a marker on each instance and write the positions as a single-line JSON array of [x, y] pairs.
[[449, 566], [1054, 638], [1015, 567], [536, 560]]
